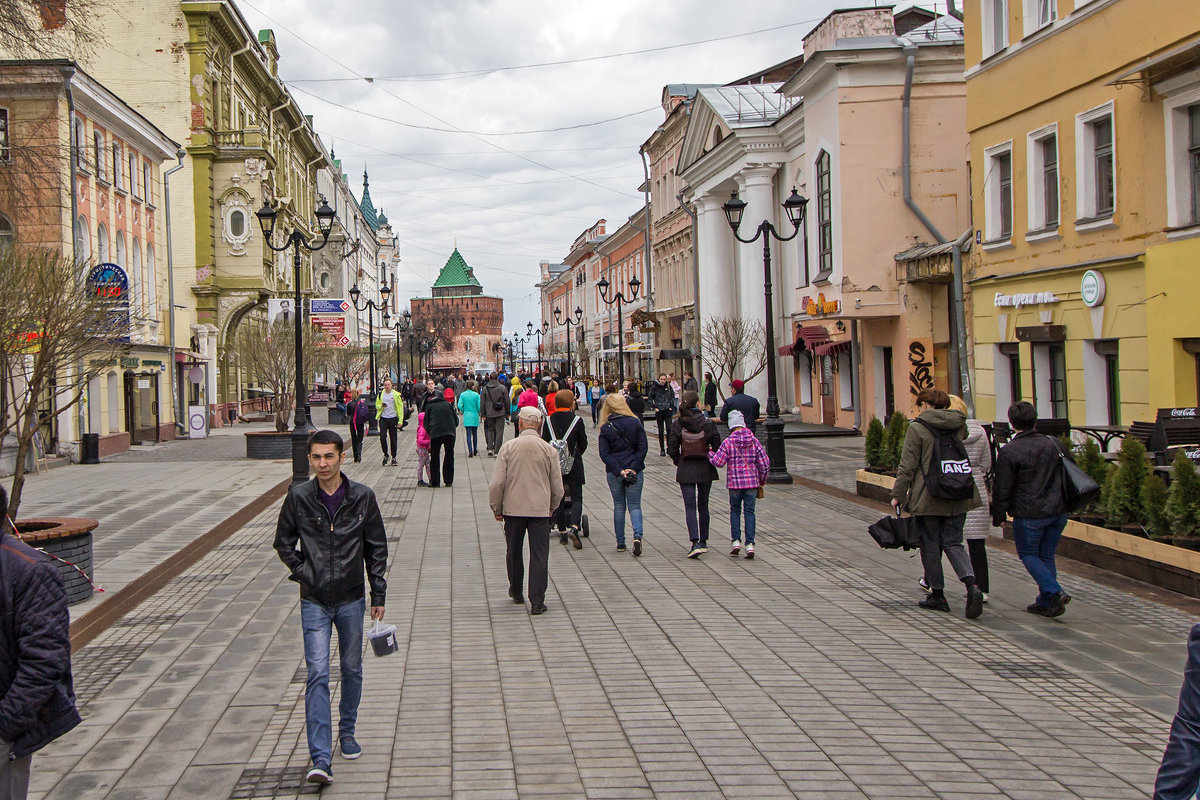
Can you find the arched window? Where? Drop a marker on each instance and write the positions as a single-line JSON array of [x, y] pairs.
[[237, 224], [121, 250], [102, 243], [6, 232], [151, 282], [137, 267], [83, 240]]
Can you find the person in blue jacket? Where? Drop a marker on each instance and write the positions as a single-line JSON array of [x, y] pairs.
[[740, 401], [623, 451]]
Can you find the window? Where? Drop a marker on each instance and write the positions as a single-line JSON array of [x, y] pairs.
[[995, 26], [146, 185], [1044, 200], [83, 240], [118, 168], [80, 145], [102, 243], [6, 232], [121, 251], [133, 175], [151, 282], [824, 218], [1046, 12], [136, 268], [5, 151], [1096, 191], [1039, 13], [1194, 159], [997, 194], [237, 224], [98, 153], [1182, 124]]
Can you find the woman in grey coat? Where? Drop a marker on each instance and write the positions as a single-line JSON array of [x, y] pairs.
[[979, 522]]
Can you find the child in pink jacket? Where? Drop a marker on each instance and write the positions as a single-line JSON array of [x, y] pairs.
[[423, 443]]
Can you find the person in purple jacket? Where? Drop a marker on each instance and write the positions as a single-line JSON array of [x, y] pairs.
[[748, 466]]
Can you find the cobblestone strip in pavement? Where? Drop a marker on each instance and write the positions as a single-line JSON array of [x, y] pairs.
[[807, 672]]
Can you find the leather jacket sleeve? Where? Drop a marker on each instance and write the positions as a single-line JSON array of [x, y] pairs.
[[287, 535], [375, 551]]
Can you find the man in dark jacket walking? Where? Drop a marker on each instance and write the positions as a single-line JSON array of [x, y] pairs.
[[338, 527], [662, 400], [740, 401], [494, 400], [441, 420], [564, 424], [37, 696], [1028, 485]]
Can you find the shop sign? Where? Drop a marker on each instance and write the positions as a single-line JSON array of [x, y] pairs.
[[129, 363], [820, 305], [1092, 288], [147, 362], [1025, 299]]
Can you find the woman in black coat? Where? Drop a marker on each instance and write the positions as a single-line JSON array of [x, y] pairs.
[[358, 415], [566, 424], [692, 437]]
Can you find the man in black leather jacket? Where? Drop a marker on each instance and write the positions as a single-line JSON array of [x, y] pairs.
[[1028, 485], [662, 400], [37, 699], [339, 529]]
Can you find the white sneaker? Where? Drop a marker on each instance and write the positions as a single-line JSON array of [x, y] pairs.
[[749, 551], [736, 547]]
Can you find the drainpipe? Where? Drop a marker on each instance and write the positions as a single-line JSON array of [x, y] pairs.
[[68, 73], [960, 323], [910, 58], [855, 368], [695, 287], [175, 404]]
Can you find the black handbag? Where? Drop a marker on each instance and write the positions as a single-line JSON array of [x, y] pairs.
[[892, 533], [1078, 487]]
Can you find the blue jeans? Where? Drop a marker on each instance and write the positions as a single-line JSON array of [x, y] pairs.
[[472, 438], [623, 496], [742, 499], [318, 622], [1036, 541], [1179, 772]]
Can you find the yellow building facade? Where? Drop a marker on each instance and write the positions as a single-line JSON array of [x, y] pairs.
[[1084, 122]]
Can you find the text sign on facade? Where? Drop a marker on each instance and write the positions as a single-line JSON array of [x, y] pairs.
[[333, 330], [819, 305], [334, 305], [110, 281], [1025, 299], [1092, 288]]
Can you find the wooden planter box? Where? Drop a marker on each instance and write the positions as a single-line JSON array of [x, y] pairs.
[[68, 538], [269, 445], [874, 486]]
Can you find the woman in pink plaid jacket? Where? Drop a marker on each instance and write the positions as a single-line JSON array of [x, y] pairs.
[[748, 466]]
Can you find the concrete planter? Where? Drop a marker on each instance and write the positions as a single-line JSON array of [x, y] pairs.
[[69, 539], [874, 486], [269, 445]]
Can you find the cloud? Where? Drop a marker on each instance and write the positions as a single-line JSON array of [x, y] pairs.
[[508, 201]]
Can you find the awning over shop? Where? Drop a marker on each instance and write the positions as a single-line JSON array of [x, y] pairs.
[[832, 348], [787, 349], [675, 355], [811, 335]]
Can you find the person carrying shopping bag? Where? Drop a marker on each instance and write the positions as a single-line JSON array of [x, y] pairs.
[[748, 465], [692, 437], [623, 451]]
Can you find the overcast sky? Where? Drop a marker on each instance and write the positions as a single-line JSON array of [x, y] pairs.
[[438, 126]]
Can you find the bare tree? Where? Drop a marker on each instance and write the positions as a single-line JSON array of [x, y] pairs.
[[51, 28], [582, 355], [58, 332], [269, 354], [734, 347], [344, 364]]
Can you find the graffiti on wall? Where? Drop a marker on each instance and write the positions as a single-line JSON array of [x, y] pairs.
[[920, 366]]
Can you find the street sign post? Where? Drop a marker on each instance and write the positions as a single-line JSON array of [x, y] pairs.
[[333, 330], [335, 305]]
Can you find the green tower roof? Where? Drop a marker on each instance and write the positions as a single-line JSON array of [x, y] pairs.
[[366, 206], [456, 273]]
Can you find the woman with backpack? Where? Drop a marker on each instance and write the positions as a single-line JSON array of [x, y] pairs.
[[565, 433], [691, 438], [623, 451], [932, 486]]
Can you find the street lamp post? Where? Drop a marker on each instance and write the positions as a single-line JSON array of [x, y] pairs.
[[620, 299], [532, 331], [295, 240], [568, 322], [795, 206], [403, 324], [370, 306]]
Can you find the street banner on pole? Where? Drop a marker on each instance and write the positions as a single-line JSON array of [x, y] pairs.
[[333, 330], [335, 305]]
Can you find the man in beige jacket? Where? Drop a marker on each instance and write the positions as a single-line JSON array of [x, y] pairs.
[[526, 487]]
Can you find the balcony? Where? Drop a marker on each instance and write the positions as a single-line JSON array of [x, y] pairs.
[[247, 139]]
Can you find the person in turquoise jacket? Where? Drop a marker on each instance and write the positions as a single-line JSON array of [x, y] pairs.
[[468, 406]]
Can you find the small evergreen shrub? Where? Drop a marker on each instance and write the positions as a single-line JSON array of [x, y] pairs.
[[1091, 460], [874, 443], [893, 441], [1123, 505], [1154, 506], [1183, 498]]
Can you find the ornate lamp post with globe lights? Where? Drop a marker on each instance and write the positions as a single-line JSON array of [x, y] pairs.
[[370, 306], [403, 324], [568, 322], [795, 206], [267, 216], [532, 331], [620, 299]]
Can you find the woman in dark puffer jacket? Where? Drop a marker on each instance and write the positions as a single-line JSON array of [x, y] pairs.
[[693, 472]]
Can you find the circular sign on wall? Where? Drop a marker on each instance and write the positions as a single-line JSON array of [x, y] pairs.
[[1091, 288]]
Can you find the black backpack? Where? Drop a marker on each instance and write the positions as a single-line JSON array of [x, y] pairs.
[[949, 476]]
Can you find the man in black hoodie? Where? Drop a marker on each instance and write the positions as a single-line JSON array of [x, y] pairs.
[[441, 420], [662, 400]]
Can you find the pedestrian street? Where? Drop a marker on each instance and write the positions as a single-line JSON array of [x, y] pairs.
[[808, 671]]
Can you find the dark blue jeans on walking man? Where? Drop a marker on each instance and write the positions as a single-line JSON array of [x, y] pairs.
[[1036, 541], [1179, 773], [318, 622], [742, 499]]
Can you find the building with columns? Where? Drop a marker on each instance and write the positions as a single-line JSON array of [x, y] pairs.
[[858, 315]]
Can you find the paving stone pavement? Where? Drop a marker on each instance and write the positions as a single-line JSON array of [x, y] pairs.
[[806, 672]]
